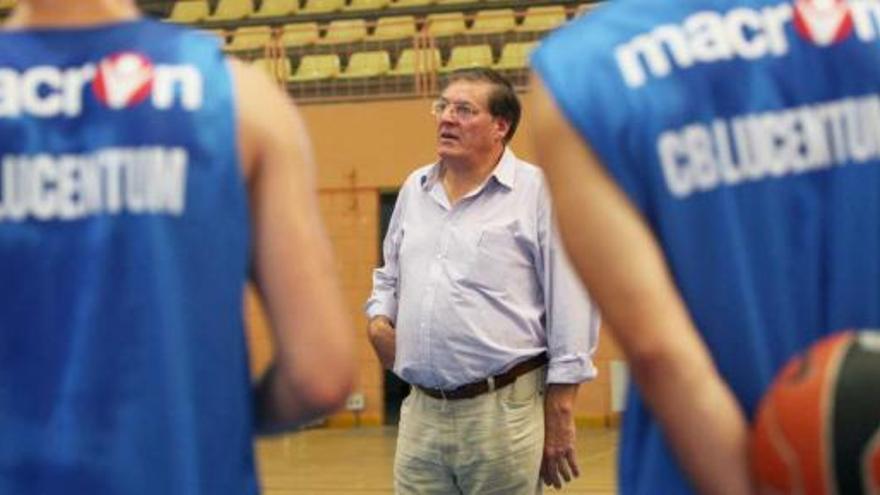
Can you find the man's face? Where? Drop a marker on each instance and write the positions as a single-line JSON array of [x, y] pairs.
[[465, 128]]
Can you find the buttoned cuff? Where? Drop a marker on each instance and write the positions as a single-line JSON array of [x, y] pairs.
[[376, 308], [571, 368]]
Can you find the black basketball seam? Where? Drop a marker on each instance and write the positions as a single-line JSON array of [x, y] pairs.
[[858, 413]]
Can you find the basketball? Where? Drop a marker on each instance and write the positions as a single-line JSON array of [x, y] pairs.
[[817, 429]]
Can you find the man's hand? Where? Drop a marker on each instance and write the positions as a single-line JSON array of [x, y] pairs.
[[383, 337], [560, 460]]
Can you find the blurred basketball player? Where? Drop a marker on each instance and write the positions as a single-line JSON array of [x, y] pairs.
[[715, 169], [143, 177]]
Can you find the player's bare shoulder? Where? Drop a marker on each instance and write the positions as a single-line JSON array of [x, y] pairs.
[[267, 118]]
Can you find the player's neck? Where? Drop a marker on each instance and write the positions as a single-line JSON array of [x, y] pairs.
[[66, 13]]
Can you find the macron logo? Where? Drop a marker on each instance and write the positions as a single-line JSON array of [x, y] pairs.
[[823, 22], [743, 33], [123, 80], [119, 81]]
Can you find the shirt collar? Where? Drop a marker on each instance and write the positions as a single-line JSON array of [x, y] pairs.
[[504, 172]]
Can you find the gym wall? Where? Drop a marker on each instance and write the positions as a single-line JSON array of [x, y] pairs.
[[362, 149]]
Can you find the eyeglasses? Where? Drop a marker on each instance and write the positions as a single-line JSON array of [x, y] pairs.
[[460, 110]]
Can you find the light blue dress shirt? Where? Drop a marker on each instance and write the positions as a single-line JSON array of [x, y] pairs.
[[477, 287]]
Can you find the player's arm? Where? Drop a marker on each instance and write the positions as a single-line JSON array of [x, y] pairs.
[[293, 266], [624, 270]]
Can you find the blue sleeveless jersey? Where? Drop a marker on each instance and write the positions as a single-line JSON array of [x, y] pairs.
[[124, 247], [748, 135]]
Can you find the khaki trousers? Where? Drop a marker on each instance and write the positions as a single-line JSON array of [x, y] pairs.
[[490, 444]]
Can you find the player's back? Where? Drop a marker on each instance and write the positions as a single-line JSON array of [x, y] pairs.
[[748, 135], [124, 244]]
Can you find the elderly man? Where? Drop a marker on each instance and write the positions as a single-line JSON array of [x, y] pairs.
[[477, 308]]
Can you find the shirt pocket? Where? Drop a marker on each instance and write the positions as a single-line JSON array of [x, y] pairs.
[[498, 260]]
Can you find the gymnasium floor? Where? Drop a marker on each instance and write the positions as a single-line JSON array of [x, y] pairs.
[[358, 462]]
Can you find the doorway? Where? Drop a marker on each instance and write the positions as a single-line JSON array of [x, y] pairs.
[[395, 388]]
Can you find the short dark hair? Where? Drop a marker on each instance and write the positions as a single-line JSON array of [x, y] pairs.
[[503, 101]]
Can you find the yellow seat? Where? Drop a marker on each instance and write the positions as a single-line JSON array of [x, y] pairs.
[[279, 69], [367, 4], [395, 27], [367, 64], [7, 4], [300, 34], [189, 11], [445, 24], [317, 67], [412, 61], [468, 56], [515, 55], [322, 6], [411, 3], [543, 18], [232, 10], [447, 2], [250, 38], [276, 8], [345, 30], [494, 21]]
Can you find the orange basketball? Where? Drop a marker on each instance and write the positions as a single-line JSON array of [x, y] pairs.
[[817, 430]]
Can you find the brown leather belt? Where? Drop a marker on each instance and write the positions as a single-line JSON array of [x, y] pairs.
[[471, 390]]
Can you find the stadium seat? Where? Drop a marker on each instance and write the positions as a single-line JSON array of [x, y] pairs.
[[447, 2], [279, 69], [515, 55], [189, 11], [345, 30], [317, 67], [468, 56], [445, 24], [276, 8], [543, 18], [367, 4], [494, 21], [232, 10], [322, 6], [395, 27], [367, 64], [250, 38], [412, 61], [7, 4], [300, 34]]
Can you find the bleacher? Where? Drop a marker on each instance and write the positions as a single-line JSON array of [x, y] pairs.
[[354, 49]]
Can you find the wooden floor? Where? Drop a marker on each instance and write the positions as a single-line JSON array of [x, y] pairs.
[[358, 462]]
